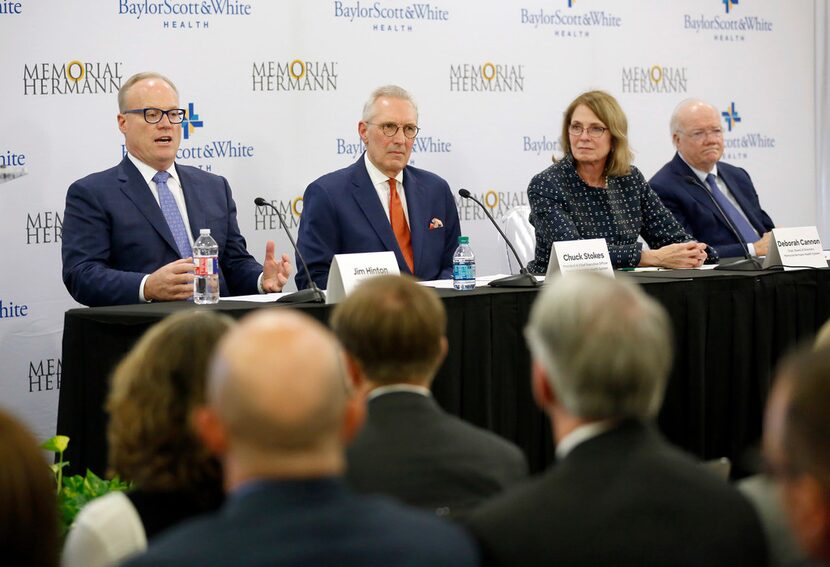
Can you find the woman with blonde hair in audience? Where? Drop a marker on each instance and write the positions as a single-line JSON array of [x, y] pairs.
[[152, 443], [28, 506]]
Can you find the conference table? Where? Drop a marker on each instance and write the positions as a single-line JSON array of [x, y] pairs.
[[730, 329]]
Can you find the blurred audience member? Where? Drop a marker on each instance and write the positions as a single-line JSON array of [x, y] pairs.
[[797, 447], [28, 506], [394, 333], [153, 443], [279, 411], [619, 494]]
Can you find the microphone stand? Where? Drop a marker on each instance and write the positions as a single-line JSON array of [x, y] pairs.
[[523, 278], [313, 293], [748, 264]]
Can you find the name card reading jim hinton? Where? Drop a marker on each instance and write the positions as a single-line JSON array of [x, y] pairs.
[[580, 256], [795, 248], [348, 270]]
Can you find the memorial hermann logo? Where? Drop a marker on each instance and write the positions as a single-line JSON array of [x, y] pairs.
[[73, 77], [191, 121], [498, 203], [487, 77], [44, 227], [45, 375], [658, 79], [294, 75], [291, 209]]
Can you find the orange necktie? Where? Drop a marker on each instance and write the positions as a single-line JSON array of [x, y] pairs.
[[399, 226]]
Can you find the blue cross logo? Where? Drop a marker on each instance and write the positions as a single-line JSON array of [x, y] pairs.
[[191, 122], [731, 116]]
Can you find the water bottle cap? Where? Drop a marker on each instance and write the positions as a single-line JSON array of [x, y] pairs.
[[463, 239], [204, 231]]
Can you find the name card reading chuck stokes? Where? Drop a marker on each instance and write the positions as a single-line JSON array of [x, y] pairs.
[[348, 270], [580, 256], [795, 248]]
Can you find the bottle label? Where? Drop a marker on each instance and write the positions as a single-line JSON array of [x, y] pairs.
[[206, 265], [464, 271]]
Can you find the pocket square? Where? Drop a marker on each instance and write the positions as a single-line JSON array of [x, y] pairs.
[[435, 223]]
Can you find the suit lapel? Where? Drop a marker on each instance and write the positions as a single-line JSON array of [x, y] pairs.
[[195, 211], [366, 197], [694, 186], [135, 189], [418, 223]]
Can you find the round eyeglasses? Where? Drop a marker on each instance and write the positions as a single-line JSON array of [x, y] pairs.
[[390, 129]]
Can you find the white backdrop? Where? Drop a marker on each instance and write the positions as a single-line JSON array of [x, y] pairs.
[[278, 88]]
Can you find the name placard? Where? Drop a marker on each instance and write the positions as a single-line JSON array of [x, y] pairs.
[[348, 270], [570, 256], [795, 248]]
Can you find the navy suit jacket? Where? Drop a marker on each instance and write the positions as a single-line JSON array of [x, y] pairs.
[[343, 215], [693, 206], [311, 522], [114, 234]]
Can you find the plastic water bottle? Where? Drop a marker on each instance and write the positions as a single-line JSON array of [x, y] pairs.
[[206, 260], [464, 266]]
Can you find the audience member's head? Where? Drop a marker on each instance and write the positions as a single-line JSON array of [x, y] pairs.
[[28, 505], [393, 331], [823, 336], [601, 349], [797, 446], [279, 405], [155, 390]]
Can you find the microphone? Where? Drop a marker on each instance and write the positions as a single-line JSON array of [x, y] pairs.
[[523, 278], [313, 293], [749, 263]]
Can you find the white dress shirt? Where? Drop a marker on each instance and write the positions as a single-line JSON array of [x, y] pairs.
[[381, 183]]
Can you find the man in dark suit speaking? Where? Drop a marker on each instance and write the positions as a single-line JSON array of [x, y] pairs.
[[128, 231], [618, 494], [380, 203], [394, 331], [714, 201], [278, 413]]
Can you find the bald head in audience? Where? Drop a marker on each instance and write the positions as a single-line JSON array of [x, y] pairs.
[[278, 404], [797, 447]]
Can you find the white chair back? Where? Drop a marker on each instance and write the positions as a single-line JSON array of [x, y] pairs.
[[516, 225]]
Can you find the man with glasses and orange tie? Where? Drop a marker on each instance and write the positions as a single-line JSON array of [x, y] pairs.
[[128, 231], [714, 201], [380, 203]]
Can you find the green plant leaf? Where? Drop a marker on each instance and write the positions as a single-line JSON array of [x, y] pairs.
[[56, 444]]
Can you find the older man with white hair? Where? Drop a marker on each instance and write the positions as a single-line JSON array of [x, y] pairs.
[[618, 494], [714, 201]]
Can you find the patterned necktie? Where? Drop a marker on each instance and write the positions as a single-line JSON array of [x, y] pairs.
[[399, 226], [172, 214], [745, 230]]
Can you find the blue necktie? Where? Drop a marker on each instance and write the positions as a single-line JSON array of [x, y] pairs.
[[740, 223], [172, 214]]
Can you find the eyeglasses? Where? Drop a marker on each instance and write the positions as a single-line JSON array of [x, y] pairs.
[[700, 135], [154, 115], [593, 131], [390, 129]]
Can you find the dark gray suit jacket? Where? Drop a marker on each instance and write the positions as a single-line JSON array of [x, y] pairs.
[[413, 450], [625, 497]]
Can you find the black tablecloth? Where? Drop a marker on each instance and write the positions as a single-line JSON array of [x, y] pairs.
[[730, 329]]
